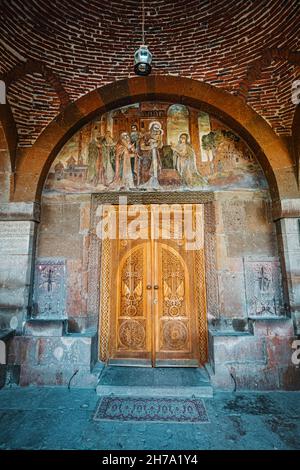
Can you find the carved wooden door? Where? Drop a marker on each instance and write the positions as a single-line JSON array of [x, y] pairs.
[[157, 304]]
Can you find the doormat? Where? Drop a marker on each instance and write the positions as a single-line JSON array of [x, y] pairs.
[[164, 410]]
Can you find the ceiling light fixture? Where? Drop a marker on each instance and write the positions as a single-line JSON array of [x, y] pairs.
[[142, 57]]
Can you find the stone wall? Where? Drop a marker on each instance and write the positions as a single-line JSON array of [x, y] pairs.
[[244, 228], [17, 246], [244, 352], [64, 234], [260, 359]]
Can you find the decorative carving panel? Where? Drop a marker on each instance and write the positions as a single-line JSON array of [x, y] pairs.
[[132, 335], [263, 286], [131, 325], [50, 289], [132, 286], [173, 281], [210, 260], [174, 328]]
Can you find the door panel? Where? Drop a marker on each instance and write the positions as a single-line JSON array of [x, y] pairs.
[[175, 310], [155, 303], [131, 337]]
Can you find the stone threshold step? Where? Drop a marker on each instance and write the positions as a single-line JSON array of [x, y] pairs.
[[200, 391], [154, 377]]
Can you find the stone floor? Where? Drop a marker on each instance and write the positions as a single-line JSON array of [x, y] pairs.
[[55, 418]]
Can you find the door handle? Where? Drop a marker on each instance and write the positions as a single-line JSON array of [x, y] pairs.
[[156, 287], [149, 287]]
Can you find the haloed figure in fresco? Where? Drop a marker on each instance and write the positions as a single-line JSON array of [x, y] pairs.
[[125, 151], [153, 143], [154, 146], [184, 161], [135, 138]]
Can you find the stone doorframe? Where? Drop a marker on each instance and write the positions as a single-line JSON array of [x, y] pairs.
[[96, 295]]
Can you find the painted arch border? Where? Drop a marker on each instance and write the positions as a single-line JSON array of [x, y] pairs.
[[271, 150]]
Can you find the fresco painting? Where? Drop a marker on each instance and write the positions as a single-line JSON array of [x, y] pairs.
[[154, 146]]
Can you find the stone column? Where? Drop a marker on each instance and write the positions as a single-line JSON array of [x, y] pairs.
[[18, 223], [289, 249]]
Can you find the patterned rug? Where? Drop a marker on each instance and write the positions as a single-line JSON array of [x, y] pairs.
[[178, 410]]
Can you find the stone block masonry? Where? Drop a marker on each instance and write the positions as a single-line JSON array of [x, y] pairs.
[[53, 360], [258, 360]]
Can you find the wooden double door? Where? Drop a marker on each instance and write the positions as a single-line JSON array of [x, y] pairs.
[[157, 304]]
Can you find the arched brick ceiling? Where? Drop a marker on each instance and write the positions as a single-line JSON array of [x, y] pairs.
[[89, 43]]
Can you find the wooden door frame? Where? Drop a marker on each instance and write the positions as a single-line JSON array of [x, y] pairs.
[[98, 303]]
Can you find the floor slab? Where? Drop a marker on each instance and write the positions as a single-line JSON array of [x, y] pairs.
[[55, 418]]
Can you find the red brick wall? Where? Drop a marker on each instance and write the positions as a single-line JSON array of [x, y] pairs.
[[89, 43]]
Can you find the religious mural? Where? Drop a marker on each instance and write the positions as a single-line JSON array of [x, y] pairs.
[[154, 146]]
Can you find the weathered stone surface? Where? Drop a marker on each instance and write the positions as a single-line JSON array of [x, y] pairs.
[[58, 375], [16, 250], [16, 237], [279, 351], [76, 305], [12, 317], [21, 350], [85, 209], [288, 231], [55, 245], [44, 328], [232, 300], [272, 327], [78, 324], [19, 211], [245, 377], [41, 350], [247, 243], [51, 217], [239, 348], [53, 360], [289, 378]]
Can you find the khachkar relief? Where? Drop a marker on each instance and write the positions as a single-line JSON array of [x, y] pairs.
[[263, 287], [154, 146], [49, 300]]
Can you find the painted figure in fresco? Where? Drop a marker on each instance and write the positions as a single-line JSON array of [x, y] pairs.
[[184, 160], [153, 143], [92, 161], [108, 155], [100, 178], [123, 173], [135, 137]]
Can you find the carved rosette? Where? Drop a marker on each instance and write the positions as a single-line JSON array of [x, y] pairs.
[[132, 335], [175, 335]]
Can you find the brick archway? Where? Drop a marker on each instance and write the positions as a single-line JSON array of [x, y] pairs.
[[296, 139], [271, 150], [8, 144]]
